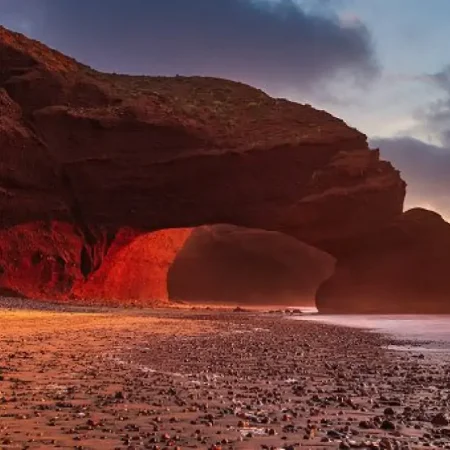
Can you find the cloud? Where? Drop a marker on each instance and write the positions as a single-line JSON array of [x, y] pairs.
[[278, 45], [19, 15], [437, 115], [442, 79], [424, 167]]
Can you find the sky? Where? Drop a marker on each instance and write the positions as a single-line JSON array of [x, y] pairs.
[[381, 65]]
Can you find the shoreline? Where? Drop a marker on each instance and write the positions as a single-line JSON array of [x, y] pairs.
[[429, 332], [132, 379]]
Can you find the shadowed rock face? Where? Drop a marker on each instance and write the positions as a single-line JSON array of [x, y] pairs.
[[402, 268], [233, 265], [87, 158]]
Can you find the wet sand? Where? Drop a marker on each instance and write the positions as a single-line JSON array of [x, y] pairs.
[[179, 379]]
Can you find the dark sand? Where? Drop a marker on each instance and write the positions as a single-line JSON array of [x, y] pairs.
[[169, 379]]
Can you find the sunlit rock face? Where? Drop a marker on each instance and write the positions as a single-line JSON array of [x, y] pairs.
[[134, 272], [225, 264], [39, 260], [402, 268], [91, 161]]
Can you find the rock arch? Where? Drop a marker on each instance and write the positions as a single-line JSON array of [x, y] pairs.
[[210, 264]]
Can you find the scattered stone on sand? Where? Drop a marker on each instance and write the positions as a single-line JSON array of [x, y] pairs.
[[208, 379]]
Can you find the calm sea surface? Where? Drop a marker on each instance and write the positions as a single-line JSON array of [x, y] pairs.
[[421, 328]]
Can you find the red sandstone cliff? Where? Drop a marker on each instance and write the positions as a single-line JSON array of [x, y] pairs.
[[88, 158], [402, 268]]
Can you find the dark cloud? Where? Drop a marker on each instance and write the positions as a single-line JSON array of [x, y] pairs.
[[437, 115], [442, 79], [425, 167], [277, 45]]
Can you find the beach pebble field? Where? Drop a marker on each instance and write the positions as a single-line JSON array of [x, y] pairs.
[[178, 379]]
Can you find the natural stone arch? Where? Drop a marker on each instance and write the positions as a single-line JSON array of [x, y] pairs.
[[276, 268]]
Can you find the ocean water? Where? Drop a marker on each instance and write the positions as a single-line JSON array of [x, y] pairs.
[[427, 329]]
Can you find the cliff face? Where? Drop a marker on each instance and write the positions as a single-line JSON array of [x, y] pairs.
[[401, 268], [135, 269], [87, 158], [233, 265]]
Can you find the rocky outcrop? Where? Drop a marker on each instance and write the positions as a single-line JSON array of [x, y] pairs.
[[233, 265], [88, 157], [401, 268]]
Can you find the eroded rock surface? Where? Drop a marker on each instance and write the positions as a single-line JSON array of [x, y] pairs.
[[106, 155], [233, 265], [402, 268], [135, 269]]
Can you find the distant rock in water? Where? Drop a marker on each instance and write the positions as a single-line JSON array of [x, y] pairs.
[[234, 265], [402, 268]]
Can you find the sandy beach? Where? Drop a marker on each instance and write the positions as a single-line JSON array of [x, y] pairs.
[[178, 379]]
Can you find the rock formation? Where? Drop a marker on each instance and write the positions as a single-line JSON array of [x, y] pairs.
[[233, 265], [90, 161], [401, 268], [134, 269]]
